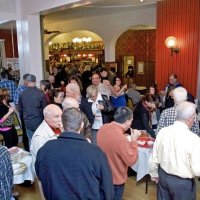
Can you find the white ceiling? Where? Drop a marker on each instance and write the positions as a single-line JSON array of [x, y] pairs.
[[93, 9]]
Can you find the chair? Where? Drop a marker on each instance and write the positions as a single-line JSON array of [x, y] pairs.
[[18, 125], [1, 139], [130, 103]]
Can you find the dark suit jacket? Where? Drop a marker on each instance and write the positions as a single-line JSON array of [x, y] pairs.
[[86, 108], [141, 119], [70, 168]]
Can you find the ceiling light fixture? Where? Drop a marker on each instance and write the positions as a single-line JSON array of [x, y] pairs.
[[84, 39]]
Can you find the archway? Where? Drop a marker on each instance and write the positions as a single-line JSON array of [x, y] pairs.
[[80, 45], [136, 46]]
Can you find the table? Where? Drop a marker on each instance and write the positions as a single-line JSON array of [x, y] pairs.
[[142, 164], [19, 156]]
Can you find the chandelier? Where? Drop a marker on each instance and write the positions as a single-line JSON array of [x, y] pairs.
[[84, 39]]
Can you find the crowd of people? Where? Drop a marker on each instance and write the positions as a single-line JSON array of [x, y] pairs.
[[75, 126]]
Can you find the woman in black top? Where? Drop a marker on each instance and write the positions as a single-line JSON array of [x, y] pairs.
[[58, 97], [7, 128], [142, 114]]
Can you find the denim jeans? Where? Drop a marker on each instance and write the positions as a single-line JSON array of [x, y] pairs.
[[118, 191], [29, 134], [94, 136]]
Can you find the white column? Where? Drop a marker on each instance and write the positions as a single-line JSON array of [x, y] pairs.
[[109, 52], [30, 46]]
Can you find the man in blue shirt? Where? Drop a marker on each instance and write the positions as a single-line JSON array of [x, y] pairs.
[[10, 85]]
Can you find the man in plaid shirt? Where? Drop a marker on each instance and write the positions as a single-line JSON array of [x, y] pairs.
[[6, 174], [168, 116], [9, 84]]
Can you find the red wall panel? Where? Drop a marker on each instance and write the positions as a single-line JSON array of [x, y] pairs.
[[141, 44], [6, 34], [179, 18], [137, 43]]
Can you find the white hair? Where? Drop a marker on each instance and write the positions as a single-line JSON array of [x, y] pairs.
[[91, 90], [180, 95], [185, 110], [50, 109], [69, 102], [73, 87]]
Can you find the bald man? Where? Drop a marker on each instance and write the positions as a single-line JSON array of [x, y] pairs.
[[49, 129], [73, 90], [70, 102]]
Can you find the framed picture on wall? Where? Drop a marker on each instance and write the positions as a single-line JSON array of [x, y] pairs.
[[140, 67]]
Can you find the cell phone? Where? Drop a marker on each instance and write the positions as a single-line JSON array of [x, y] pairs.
[[100, 102]]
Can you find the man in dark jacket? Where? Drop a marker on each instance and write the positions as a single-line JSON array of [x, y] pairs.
[[31, 104], [72, 168]]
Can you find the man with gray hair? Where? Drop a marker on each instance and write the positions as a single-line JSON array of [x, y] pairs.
[[175, 160], [73, 90], [70, 102], [49, 129], [168, 116], [72, 168]]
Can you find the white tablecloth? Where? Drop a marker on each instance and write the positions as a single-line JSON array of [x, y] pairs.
[[28, 174], [142, 164]]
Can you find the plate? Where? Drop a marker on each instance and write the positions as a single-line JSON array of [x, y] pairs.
[[15, 157], [13, 150], [19, 168], [145, 142]]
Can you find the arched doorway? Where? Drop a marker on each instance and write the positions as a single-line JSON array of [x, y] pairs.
[[75, 47], [136, 47]]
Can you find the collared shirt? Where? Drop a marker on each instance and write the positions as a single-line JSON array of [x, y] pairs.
[[10, 85], [98, 121], [177, 151], [18, 91], [42, 135], [168, 117], [6, 174]]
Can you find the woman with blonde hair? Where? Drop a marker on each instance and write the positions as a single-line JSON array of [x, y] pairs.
[[7, 127], [101, 109]]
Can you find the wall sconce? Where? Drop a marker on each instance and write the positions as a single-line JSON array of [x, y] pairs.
[[171, 43]]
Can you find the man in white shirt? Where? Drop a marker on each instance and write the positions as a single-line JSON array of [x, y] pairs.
[[175, 160], [103, 88], [49, 129]]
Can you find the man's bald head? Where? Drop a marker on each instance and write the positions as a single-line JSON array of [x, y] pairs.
[[70, 102], [52, 115]]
